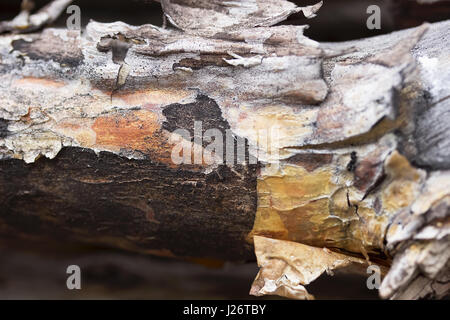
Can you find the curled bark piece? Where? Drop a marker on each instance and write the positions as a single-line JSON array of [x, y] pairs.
[[310, 11], [286, 267], [210, 17]]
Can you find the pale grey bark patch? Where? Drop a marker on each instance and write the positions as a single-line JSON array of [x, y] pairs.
[[432, 136], [209, 17], [419, 240]]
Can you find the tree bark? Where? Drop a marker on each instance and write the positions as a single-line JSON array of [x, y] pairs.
[[346, 144]]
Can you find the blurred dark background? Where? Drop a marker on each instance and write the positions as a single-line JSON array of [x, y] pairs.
[[37, 270]]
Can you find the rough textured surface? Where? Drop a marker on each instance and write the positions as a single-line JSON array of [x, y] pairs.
[[339, 131], [230, 15], [137, 205], [287, 266]]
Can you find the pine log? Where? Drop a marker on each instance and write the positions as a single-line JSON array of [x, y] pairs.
[[357, 161]]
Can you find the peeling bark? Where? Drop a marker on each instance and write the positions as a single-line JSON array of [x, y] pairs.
[[287, 266], [358, 169]]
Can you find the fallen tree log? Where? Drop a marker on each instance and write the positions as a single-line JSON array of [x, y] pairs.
[[342, 146]]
